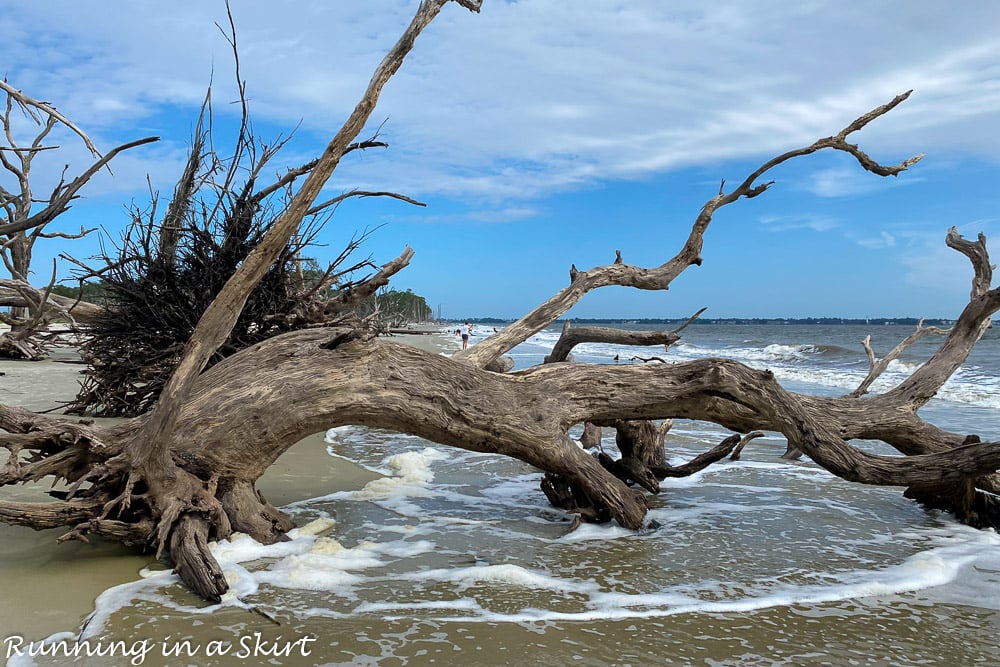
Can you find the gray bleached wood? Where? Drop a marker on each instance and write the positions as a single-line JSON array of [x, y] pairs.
[[184, 474]]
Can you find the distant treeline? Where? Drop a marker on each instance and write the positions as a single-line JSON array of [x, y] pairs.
[[825, 321], [91, 292], [397, 306]]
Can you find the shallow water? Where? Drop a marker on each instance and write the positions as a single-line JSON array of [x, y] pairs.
[[429, 555]]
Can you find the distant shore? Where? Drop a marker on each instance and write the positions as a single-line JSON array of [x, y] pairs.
[[823, 321]]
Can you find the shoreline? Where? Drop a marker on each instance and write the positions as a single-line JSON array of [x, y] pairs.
[[419, 569]]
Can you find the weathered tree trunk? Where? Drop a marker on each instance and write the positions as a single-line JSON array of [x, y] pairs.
[[82, 312], [591, 437], [20, 268], [639, 441], [231, 432], [185, 473], [27, 338], [642, 441], [172, 491], [573, 336]]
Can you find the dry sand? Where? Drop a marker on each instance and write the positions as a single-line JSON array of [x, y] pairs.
[[51, 587]]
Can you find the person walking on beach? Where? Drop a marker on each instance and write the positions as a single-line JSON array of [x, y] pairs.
[[465, 335]]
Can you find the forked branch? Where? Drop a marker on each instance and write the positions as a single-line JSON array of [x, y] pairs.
[[877, 367], [660, 277], [66, 193], [30, 104]]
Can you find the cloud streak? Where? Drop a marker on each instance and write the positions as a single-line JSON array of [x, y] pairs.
[[790, 223]]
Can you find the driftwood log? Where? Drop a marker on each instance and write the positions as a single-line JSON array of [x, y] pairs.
[[229, 433], [184, 474]]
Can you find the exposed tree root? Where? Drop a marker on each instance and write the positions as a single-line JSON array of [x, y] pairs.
[[184, 474], [193, 561], [374, 382]]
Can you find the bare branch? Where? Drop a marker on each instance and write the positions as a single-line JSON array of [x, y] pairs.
[[29, 149], [972, 323], [573, 336], [64, 235], [978, 255], [363, 290], [292, 174], [735, 456], [20, 294], [48, 110], [47, 515], [39, 314], [61, 202], [659, 278], [152, 452], [876, 368], [362, 193], [701, 461], [186, 186]]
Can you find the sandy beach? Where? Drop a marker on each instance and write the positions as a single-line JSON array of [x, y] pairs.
[[51, 587], [413, 553]]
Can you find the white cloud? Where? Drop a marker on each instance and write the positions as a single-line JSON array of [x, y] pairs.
[[485, 215], [508, 214], [883, 240], [539, 95], [789, 223], [849, 182]]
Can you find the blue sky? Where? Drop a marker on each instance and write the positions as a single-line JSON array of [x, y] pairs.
[[543, 133]]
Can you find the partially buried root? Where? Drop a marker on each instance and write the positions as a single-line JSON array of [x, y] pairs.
[[642, 462], [190, 513], [170, 510]]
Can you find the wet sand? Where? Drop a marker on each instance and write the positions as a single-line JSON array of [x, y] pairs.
[[51, 587], [760, 562]]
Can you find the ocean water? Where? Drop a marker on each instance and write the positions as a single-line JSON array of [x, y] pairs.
[[450, 557]]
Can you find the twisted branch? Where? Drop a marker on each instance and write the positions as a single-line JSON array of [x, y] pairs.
[[660, 277]]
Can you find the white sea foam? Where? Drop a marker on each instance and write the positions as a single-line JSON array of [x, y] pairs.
[[241, 548], [903, 367], [335, 434], [326, 566], [467, 577], [488, 511], [124, 595], [591, 532], [316, 561], [466, 604], [924, 570], [410, 475], [805, 364], [323, 564]]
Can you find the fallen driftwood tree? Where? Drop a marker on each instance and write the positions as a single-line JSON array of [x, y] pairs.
[[184, 473]]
